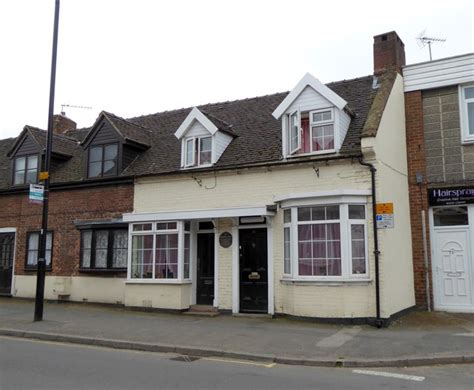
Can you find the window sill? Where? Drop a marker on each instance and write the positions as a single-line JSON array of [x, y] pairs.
[[103, 271], [158, 281], [34, 269], [323, 282], [467, 141], [329, 151]]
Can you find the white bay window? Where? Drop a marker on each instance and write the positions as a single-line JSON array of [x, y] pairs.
[[160, 251], [325, 242]]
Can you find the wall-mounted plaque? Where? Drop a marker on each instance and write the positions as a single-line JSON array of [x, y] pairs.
[[225, 240]]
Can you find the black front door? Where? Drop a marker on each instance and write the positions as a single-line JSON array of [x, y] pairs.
[[205, 269], [7, 245], [253, 270]]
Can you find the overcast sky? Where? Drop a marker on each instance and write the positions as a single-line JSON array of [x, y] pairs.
[[143, 56]]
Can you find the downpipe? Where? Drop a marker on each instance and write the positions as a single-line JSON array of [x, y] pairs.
[[379, 322]]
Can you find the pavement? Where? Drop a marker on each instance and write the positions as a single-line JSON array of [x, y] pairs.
[[417, 339]]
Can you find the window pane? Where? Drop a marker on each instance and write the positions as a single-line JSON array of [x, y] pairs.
[[318, 213], [19, 177], [304, 232], [95, 169], [95, 153], [469, 93], [205, 158], [287, 256], [119, 255], [142, 256], [320, 267], [358, 249], [287, 215], [294, 130], [334, 267], [20, 163], [31, 176], [206, 144], [166, 226], [304, 214], [32, 257], [205, 150], [33, 243], [101, 245], [332, 212], [305, 267], [86, 248], [470, 117], [189, 151], [32, 162], [166, 256], [450, 216], [187, 241], [110, 152], [333, 231], [142, 227], [322, 116], [356, 212], [110, 167]]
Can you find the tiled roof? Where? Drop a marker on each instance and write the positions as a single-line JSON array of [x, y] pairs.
[[257, 134]]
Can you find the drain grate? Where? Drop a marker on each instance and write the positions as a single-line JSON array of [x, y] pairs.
[[185, 358]]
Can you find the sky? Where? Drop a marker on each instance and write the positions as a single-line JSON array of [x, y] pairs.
[[140, 57]]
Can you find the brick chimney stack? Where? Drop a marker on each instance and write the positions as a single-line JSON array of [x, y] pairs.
[[62, 124], [389, 52]]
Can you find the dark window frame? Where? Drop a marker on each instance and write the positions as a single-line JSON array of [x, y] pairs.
[[110, 249], [26, 156], [103, 146], [35, 267]]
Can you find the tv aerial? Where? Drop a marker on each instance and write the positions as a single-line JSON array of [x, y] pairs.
[[424, 40], [73, 106]]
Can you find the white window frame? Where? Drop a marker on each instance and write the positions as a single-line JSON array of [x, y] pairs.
[[180, 230], [298, 131], [287, 225], [186, 142], [345, 237], [312, 124], [198, 139], [463, 102]]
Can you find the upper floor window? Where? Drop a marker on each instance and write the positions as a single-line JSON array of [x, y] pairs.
[[198, 151], [311, 132], [25, 170], [103, 160], [467, 112]]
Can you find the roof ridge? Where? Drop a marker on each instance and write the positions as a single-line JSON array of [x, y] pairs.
[[127, 121], [349, 80], [60, 136]]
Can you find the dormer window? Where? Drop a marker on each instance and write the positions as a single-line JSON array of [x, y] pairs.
[[25, 170], [314, 119], [198, 151], [103, 160]]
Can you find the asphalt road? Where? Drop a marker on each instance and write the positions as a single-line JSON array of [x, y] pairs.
[[28, 364]]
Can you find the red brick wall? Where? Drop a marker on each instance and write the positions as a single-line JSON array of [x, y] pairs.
[[64, 208], [418, 192]]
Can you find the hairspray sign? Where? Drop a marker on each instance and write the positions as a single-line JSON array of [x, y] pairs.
[[450, 196]]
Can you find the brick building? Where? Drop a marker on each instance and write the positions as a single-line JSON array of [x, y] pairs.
[[256, 205], [439, 107]]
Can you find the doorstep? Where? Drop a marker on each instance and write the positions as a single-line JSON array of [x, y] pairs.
[[202, 310]]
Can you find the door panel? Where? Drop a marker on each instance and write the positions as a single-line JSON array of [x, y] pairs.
[[253, 270], [205, 269], [7, 247], [453, 267]]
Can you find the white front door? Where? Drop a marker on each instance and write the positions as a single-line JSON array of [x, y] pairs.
[[452, 271]]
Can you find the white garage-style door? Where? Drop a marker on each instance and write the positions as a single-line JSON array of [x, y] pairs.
[[453, 259]]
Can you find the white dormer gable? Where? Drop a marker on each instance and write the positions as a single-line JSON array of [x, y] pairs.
[[202, 143], [313, 119]]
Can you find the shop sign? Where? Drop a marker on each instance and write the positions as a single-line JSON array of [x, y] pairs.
[[450, 196], [384, 215]]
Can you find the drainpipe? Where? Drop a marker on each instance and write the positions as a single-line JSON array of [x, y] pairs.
[[378, 320]]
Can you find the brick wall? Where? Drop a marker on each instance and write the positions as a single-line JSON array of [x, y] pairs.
[[64, 207], [416, 153]]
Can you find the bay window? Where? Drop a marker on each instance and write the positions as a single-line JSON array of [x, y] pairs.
[[325, 242], [160, 251]]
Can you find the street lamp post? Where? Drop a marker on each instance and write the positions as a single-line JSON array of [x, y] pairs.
[[41, 273]]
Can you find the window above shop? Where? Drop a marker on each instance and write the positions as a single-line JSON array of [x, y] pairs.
[[325, 242], [466, 103]]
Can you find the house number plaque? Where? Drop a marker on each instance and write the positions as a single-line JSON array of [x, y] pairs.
[[225, 239]]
